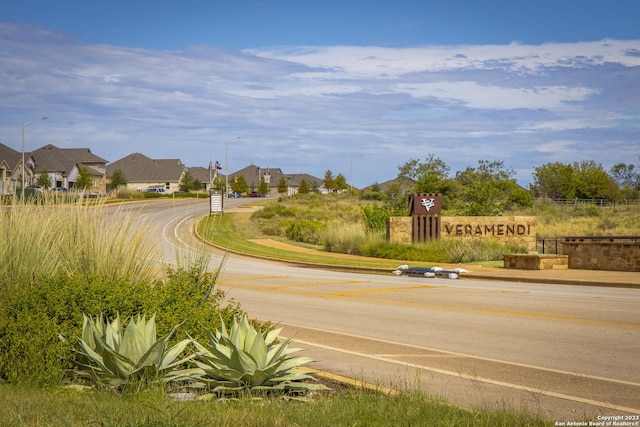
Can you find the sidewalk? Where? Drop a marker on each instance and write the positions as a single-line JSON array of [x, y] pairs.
[[561, 276]]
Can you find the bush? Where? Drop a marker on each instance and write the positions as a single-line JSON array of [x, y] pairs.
[[33, 316], [449, 251], [128, 193], [375, 218], [274, 210], [428, 252], [305, 231], [471, 250], [342, 237]]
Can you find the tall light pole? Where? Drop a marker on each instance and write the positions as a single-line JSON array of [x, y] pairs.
[[226, 165], [24, 125]]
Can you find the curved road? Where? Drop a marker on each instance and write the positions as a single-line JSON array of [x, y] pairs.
[[569, 351]]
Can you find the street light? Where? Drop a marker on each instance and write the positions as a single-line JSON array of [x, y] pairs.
[[23, 165], [226, 165]]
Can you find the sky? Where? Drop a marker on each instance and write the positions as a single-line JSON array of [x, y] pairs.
[[355, 87]]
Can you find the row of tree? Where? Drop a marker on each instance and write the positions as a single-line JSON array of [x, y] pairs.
[[490, 188], [586, 180]]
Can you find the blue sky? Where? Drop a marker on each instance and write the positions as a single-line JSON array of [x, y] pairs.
[[356, 87]]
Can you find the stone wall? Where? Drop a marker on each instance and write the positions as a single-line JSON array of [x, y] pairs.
[[536, 262], [519, 230], [603, 255], [400, 229]]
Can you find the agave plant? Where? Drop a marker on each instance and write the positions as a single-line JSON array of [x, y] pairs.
[[245, 359], [109, 355]]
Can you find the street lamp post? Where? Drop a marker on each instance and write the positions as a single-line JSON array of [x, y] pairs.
[[23, 165], [226, 165]]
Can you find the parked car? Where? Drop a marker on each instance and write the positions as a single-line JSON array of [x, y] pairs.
[[235, 195], [59, 190], [153, 190], [255, 194], [34, 189]]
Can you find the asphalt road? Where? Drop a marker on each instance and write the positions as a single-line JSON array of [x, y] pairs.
[[571, 352]]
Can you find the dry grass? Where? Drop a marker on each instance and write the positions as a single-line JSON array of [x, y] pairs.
[[75, 236], [586, 220]]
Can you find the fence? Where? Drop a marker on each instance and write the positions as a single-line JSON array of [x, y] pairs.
[[594, 202], [549, 245]]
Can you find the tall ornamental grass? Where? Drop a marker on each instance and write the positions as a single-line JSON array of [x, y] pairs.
[[74, 236]]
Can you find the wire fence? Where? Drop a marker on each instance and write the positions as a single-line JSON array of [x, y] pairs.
[[593, 202]]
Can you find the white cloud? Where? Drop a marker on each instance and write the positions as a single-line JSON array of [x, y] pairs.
[[308, 109], [475, 95]]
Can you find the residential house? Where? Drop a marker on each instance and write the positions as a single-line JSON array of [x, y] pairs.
[[205, 175], [11, 170], [63, 166], [143, 173], [253, 174]]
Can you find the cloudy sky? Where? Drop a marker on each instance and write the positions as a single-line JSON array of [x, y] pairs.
[[357, 87]]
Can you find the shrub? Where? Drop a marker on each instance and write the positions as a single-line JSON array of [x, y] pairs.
[[344, 237], [305, 231], [128, 193], [472, 250], [429, 252], [435, 251], [33, 316], [274, 210], [375, 218]]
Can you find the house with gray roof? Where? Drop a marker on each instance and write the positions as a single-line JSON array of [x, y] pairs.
[[206, 176], [253, 174], [11, 170], [63, 166], [143, 173]]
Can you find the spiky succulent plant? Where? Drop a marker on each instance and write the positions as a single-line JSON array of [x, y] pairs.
[[245, 359], [110, 355]]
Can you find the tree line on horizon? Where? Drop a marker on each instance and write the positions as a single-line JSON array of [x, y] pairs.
[[490, 188]]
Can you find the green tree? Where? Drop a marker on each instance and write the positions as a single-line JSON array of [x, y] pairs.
[[430, 176], [341, 182], [329, 181], [555, 181], [44, 180], [263, 188], [282, 185], [218, 181], [484, 190], [593, 181], [118, 179], [303, 188], [239, 185], [187, 183], [627, 175], [85, 179]]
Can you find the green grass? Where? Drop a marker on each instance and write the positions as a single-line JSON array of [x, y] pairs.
[[335, 224], [343, 234], [230, 231], [345, 407], [42, 299]]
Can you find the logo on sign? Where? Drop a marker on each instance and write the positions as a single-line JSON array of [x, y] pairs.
[[428, 204]]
